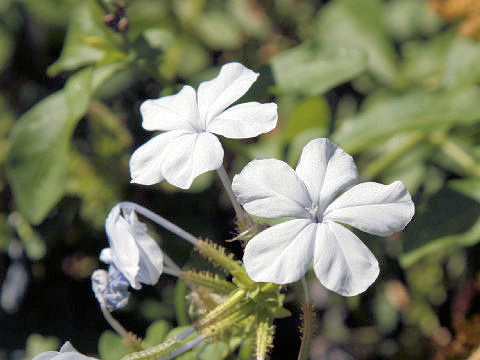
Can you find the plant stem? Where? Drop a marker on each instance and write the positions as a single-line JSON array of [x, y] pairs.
[[114, 323], [161, 221], [228, 188], [307, 324], [167, 260], [184, 348]]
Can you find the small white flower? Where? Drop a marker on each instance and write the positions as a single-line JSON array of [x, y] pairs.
[[188, 147], [67, 352], [283, 253], [133, 252]]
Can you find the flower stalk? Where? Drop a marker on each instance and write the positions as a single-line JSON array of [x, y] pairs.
[[222, 174]]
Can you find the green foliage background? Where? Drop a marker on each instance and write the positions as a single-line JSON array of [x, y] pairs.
[[389, 81]]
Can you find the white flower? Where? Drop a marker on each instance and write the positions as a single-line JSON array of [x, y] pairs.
[[188, 147], [283, 253], [67, 352], [133, 252]]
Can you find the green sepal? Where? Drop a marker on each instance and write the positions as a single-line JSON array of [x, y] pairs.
[[213, 282], [281, 313], [241, 279], [217, 255]]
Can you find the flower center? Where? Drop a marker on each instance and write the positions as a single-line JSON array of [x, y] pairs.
[[315, 213]]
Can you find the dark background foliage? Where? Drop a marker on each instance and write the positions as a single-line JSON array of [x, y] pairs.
[[392, 82]]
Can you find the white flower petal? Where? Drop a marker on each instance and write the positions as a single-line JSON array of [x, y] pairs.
[[374, 208], [215, 95], [47, 355], [189, 156], [146, 162], [270, 188], [325, 169], [342, 262], [245, 120], [178, 111], [106, 256], [124, 250], [67, 352], [282, 253], [68, 347], [151, 258]]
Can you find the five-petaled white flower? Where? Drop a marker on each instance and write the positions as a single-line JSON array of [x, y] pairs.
[[282, 253], [133, 252], [188, 147]]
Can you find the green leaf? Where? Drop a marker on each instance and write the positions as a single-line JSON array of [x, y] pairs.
[[178, 330], [218, 31], [417, 110], [440, 225], [310, 69], [467, 238], [357, 24], [111, 347], [424, 61], [156, 333], [216, 351], [86, 42], [37, 157], [467, 187], [462, 67], [312, 112], [37, 344], [406, 19]]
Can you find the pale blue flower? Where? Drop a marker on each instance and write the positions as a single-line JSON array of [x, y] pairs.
[[133, 252], [111, 289]]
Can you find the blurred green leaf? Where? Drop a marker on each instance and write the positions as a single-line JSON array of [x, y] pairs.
[[468, 238], [250, 17], [440, 225], [467, 187], [87, 39], [359, 25], [418, 110], [215, 351], [37, 344], [156, 333], [37, 157], [218, 31], [32, 242], [406, 19], [462, 65], [424, 61], [312, 112], [52, 12], [310, 69], [111, 347]]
